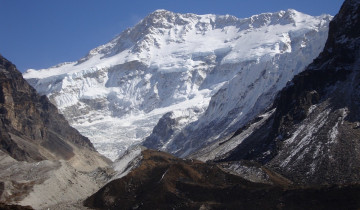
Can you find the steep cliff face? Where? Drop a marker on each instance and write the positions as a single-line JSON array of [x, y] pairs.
[[43, 160], [202, 68], [31, 127], [313, 136], [324, 119]]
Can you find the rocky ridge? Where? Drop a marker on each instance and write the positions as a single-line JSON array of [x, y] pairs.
[[313, 135], [43, 160]]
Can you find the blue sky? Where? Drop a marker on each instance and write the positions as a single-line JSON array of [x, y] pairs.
[[41, 33]]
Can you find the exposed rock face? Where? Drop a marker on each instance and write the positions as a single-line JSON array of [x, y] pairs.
[[162, 132], [314, 135], [31, 127], [242, 136], [14, 207], [43, 160]]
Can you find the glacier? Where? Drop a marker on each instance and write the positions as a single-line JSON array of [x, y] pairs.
[[208, 74]]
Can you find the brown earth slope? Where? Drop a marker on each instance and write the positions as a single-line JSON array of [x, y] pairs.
[[163, 181]]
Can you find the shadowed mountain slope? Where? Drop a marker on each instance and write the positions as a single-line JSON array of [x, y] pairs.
[[31, 127], [313, 137], [43, 160]]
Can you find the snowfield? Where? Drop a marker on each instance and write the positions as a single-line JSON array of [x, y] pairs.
[[214, 73]]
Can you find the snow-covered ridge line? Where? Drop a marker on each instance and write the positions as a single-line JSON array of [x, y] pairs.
[[181, 63], [282, 17]]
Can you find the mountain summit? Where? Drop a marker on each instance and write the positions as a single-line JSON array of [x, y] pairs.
[[194, 71], [307, 146]]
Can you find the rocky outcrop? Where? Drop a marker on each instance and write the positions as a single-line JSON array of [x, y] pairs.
[[161, 132], [43, 160], [14, 207], [31, 127]]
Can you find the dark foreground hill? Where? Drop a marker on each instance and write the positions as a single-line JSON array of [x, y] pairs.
[[163, 181]]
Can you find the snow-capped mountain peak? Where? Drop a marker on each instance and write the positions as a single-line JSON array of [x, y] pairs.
[[171, 62]]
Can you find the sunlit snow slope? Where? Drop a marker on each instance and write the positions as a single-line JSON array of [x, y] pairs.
[[181, 63]]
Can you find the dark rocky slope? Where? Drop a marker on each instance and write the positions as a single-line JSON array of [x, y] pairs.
[[314, 135], [43, 160], [163, 181], [14, 207], [31, 127]]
